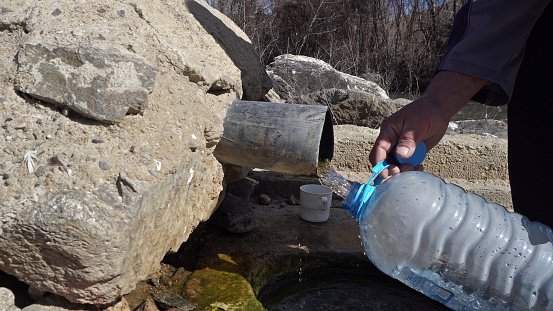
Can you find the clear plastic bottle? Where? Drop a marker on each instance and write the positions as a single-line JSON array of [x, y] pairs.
[[454, 246]]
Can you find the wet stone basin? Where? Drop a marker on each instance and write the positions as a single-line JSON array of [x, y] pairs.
[[285, 263], [293, 264]]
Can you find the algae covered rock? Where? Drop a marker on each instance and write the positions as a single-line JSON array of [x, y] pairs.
[[216, 290]]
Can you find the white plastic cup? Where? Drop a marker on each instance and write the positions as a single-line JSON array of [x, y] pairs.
[[315, 201]]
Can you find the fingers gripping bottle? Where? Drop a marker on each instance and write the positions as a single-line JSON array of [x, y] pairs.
[[453, 246]]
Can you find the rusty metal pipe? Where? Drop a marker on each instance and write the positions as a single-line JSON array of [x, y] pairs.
[[279, 137]]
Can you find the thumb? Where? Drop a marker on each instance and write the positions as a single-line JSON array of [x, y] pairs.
[[406, 147]]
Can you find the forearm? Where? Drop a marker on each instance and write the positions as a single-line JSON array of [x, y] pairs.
[[451, 90]]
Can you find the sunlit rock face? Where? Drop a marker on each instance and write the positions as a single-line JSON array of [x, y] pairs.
[[118, 107]]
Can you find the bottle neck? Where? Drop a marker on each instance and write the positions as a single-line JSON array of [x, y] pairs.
[[358, 198], [358, 195]]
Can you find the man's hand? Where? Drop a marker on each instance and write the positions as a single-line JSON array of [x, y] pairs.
[[425, 119]]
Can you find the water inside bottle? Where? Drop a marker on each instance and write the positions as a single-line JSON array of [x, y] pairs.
[[329, 178]]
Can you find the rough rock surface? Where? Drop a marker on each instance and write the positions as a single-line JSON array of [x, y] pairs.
[[7, 300], [234, 215], [305, 80], [353, 106], [85, 79], [114, 108], [295, 75], [57, 303], [486, 127]]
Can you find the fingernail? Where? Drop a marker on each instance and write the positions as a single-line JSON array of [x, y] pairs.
[[402, 151]]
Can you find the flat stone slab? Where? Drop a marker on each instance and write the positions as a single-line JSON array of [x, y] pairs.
[[283, 243], [284, 247], [99, 84]]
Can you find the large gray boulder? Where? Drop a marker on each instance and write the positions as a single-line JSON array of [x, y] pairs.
[[7, 300], [353, 100], [485, 127], [296, 75], [353, 106], [110, 111], [83, 79]]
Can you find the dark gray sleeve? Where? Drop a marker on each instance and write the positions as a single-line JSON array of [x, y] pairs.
[[488, 40]]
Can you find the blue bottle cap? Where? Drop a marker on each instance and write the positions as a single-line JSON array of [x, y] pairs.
[[360, 194], [417, 157]]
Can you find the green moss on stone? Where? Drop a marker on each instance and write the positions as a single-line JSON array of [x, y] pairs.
[[220, 290]]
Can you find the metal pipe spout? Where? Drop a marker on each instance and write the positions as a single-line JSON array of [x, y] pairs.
[[279, 137]]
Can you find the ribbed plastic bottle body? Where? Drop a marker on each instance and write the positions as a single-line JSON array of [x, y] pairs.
[[455, 247]]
